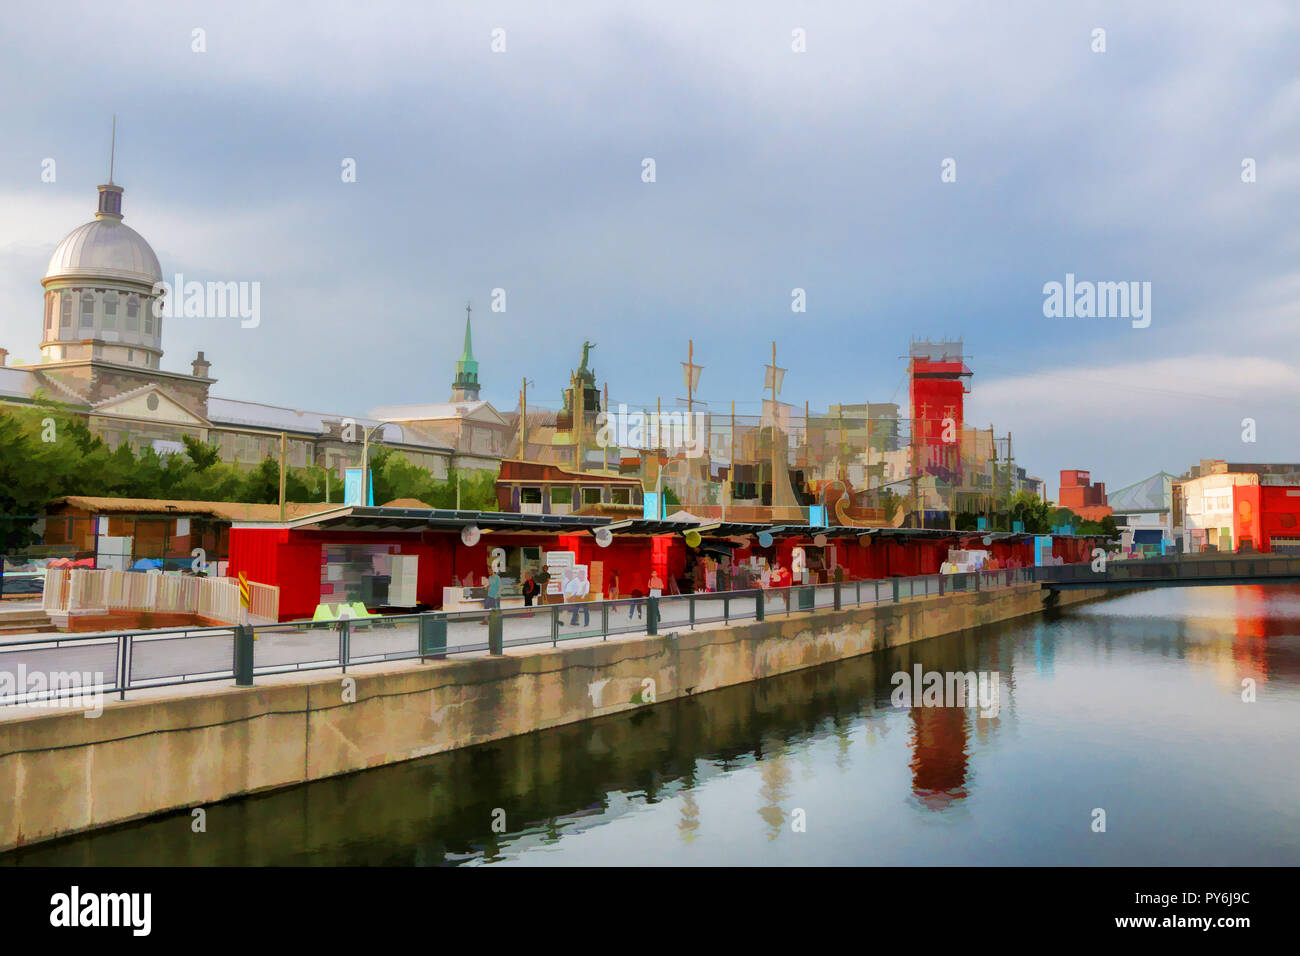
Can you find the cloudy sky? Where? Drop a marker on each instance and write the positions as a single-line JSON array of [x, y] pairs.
[[774, 170]]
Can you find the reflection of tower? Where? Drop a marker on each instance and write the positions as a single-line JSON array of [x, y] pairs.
[[776, 781], [689, 824], [937, 372], [938, 755]]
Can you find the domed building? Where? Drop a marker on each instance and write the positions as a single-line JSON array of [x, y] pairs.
[[101, 337], [101, 354], [99, 292]]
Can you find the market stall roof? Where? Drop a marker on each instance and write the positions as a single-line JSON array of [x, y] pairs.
[[655, 526], [727, 529], [357, 518], [928, 534]]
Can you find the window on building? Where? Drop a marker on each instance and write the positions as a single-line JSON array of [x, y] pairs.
[[133, 313], [49, 311], [148, 321], [591, 496], [562, 496], [87, 310], [621, 496], [110, 310], [65, 313], [530, 496]]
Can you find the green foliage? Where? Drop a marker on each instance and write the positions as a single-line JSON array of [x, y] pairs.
[[1105, 526], [75, 461], [1064, 516], [203, 456], [1032, 510]]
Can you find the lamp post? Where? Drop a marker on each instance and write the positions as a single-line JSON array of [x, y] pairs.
[[365, 458]]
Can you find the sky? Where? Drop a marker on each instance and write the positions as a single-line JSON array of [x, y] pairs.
[[775, 169]]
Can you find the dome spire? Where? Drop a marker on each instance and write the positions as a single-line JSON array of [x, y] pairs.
[[110, 194]]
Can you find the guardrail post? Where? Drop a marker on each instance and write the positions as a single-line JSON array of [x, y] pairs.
[[837, 596], [726, 609], [604, 620], [496, 630], [977, 580], [652, 615], [123, 664], [433, 636], [758, 605], [894, 582], [691, 602], [807, 598], [555, 624], [243, 656], [345, 642], [941, 585]]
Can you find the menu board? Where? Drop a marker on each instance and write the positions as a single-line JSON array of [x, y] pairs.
[[556, 564]]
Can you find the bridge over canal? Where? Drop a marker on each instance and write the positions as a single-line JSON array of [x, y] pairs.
[[1198, 570]]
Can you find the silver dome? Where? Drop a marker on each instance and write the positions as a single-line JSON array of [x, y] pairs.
[[105, 248]]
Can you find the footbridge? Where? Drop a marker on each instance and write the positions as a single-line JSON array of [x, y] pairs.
[[1198, 570]]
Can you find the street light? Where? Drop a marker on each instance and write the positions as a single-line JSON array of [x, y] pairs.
[[365, 457]]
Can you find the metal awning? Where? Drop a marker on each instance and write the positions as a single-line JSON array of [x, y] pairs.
[[358, 518]]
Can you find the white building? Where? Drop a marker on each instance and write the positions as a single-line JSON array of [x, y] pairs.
[[101, 352], [1146, 509]]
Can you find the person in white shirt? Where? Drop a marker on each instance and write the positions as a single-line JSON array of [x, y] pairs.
[[576, 590]]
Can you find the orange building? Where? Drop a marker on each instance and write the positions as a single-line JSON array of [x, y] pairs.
[[1081, 496]]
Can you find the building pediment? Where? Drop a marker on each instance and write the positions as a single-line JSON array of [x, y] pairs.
[[148, 403]]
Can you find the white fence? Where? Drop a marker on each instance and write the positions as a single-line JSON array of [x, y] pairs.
[[81, 589]]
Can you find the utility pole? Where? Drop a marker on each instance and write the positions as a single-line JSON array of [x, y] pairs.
[[772, 430], [731, 468], [523, 421], [807, 437], [282, 443], [690, 376]]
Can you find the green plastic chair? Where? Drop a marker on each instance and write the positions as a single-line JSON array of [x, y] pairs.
[[324, 614]]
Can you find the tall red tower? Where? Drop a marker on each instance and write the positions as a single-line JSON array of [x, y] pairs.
[[938, 376]]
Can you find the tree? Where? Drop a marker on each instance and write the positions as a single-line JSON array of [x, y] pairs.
[[202, 455], [1031, 510]]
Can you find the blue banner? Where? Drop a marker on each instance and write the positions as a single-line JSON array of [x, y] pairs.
[[352, 487]]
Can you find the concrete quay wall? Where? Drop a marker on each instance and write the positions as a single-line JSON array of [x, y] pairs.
[[61, 773]]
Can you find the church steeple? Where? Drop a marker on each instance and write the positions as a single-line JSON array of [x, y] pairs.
[[465, 388]]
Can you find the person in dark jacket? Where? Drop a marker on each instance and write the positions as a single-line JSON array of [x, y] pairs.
[[530, 588]]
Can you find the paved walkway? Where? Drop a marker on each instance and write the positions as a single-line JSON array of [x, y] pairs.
[[282, 653]]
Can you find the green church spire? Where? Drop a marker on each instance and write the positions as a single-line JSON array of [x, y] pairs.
[[465, 388]]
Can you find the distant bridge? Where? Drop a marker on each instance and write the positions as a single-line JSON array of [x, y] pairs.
[[1182, 571]]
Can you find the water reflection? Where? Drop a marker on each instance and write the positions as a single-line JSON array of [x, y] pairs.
[[1124, 701]]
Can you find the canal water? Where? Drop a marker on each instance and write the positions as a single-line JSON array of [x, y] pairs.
[[1132, 706]]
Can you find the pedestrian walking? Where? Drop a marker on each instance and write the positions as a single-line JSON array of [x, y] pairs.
[[576, 589]]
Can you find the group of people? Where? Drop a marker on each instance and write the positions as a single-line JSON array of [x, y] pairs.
[[576, 589]]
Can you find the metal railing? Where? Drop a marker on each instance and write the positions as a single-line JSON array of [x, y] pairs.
[[118, 662], [1182, 568]]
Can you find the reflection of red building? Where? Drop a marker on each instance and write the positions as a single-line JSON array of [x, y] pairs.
[[938, 372], [939, 755], [1267, 516], [1081, 496]]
